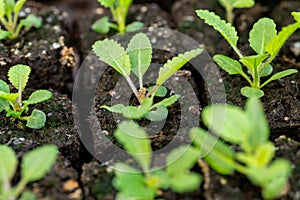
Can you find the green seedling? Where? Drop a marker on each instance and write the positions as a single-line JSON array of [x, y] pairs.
[[13, 104], [119, 10], [137, 58], [248, 129], [145, 183], [35, 165], [263, 39], [229, 5], [9, 15]]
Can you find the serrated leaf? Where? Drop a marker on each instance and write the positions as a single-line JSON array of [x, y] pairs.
[[101, 25], [261, 34], [18, 75], [134, 26], [38, 96], [36, 120], [253, 62], [251, 92], [230, 65], [31, 21], [167, 102], [107, 3], [175, 64], [136, 142], [2, 8], [4, 34], [140, 53], [111, 52], [9, 96], [157, 115], [243, 3], [19, 4], [225, 29], [8, 164], [38, 162], [181, 160], [10, 4], [216, 153], [160, 92], [280, 75], [185, 182]]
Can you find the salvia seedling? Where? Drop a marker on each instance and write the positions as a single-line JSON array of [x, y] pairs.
[[263, 39], [229, 5], [144, 183], [13, 104], [248, 129], [9, 15], [34, 166], [119, 10], [137, 58]]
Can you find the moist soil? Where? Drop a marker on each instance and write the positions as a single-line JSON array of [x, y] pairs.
[[55, 51]]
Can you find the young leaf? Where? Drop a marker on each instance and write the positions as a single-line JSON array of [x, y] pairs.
[[280, 75], [253, 62], [107, 3], [38, 96], [114, 55], [9, 96], [230, 65], [19, 4], [267, 71], [159, 114], [160, 92], [226, 29], [296, 16], [135, 141], [101, 25], [31, 21], [140, 53], [8, 164], [38, 162], [4, 34], [167, 102], [264, 153], [18, 76], [2, 8], [243, 3], [251, 92], [175, 64], [134, 26], [185, 182], [36, 120], [217, 154], [10, 4], [261, 34]]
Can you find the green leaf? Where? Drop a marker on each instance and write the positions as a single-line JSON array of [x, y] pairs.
[[31, 21], [267, 71], [101, 25], [160, 92], [185, 182], [111, 52], [280, 75], [10, 4], [124, 3], [4, 87], [253, 62], [8, 164], [181, 160], [9, 96], [4, 104], [251, 92], [264, 153], [261, 34], [175, 64], [134, 26], [2, 8], [225, 29], [217, 154], [38, 162], [38, 96], [159, 114], [296, 16], [107, 3], [36, 120], [243, 3], [27, 196], [18, 75], [4, 34], [230, 65], [167, 101], [135, 141], [19, 4], [140, 53]]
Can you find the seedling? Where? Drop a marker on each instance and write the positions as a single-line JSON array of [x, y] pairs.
[[263, 39], [249, 131], [144, 183], [137, 58], [9, 15], [13, 104], [119, 10], [229, 5], [35, 165]]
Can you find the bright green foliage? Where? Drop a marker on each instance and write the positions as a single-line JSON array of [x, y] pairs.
[[263, 39], [9, 14], [137, 59], [249, 130], [12, 103], [34, 166], [119, 10], [133, 183], [229, 5]]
